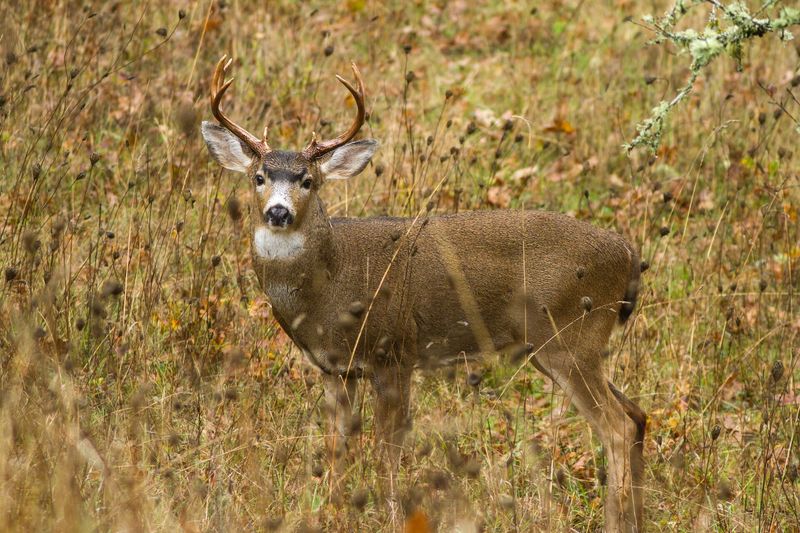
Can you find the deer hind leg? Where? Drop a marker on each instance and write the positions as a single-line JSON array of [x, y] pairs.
[[639, 418], [587, 389], [343, 421]]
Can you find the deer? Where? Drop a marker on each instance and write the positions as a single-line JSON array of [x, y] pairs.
[[377, 298]]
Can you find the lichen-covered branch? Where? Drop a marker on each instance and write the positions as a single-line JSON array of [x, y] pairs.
[[740, 26]]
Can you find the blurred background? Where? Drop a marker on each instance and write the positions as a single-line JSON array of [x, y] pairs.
[[144, 383]]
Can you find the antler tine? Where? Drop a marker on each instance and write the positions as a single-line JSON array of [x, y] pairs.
[[218, 88], [316, 148]]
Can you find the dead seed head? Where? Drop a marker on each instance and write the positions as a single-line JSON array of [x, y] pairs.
[[30, 242], [777, 370], [580, 272], [11, 274], [346, 320], [474, 379], [94, 158], [231, 393], [356, 308], [111, 287], [438, 479], [506, 501], [586, 304], [359, 499], [186, 117], [724, 491], [472, 468], [234, 208]]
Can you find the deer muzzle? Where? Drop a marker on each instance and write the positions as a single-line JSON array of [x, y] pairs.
[[278, 216]]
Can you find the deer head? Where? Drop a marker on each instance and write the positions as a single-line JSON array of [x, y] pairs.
[[285, 183]]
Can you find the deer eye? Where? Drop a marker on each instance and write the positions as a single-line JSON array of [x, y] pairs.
[[306, 183], [259, 180]]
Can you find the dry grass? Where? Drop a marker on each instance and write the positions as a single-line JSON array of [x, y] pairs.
[[143, 382]]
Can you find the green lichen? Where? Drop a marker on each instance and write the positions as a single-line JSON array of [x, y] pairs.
[[728, 36]]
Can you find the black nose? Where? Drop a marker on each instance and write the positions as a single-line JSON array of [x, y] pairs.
[[277, 215]]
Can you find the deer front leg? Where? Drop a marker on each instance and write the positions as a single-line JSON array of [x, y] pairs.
[[339, 405], [392, 387]]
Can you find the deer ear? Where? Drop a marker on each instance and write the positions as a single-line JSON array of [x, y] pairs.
[[226, 148], [349, 160]]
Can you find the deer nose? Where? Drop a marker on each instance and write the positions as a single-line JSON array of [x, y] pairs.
[[278, 215]]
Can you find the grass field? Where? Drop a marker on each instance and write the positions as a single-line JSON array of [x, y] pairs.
[[144, 383]]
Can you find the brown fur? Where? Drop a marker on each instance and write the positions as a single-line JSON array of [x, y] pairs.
[[380, 297]]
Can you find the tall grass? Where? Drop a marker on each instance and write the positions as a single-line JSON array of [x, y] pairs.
[[144, 383]]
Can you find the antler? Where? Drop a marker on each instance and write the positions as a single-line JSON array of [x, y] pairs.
[[218, 88], [316, 148]]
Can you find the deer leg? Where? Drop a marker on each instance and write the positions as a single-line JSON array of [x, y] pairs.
[[392, 386], [339, 405], [588, 390], [639, 418]]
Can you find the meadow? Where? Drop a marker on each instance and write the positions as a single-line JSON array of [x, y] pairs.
[[144, 384]]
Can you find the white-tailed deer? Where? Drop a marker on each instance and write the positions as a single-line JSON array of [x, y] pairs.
[[376, 298]]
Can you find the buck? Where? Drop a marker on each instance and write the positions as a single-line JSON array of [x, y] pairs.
[[377, 298]]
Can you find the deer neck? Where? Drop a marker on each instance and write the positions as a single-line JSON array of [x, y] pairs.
[[296, 266]]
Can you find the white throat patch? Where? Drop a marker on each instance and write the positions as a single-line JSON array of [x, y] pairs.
[[270, 244]]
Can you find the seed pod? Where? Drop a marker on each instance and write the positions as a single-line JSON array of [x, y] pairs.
[[724, 491], [474, 379], [586, 304], [777, 370], [715, 431], [234, 208], [356, 308], [346, 320], [111, 287], [359, 499], [30, 242]]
